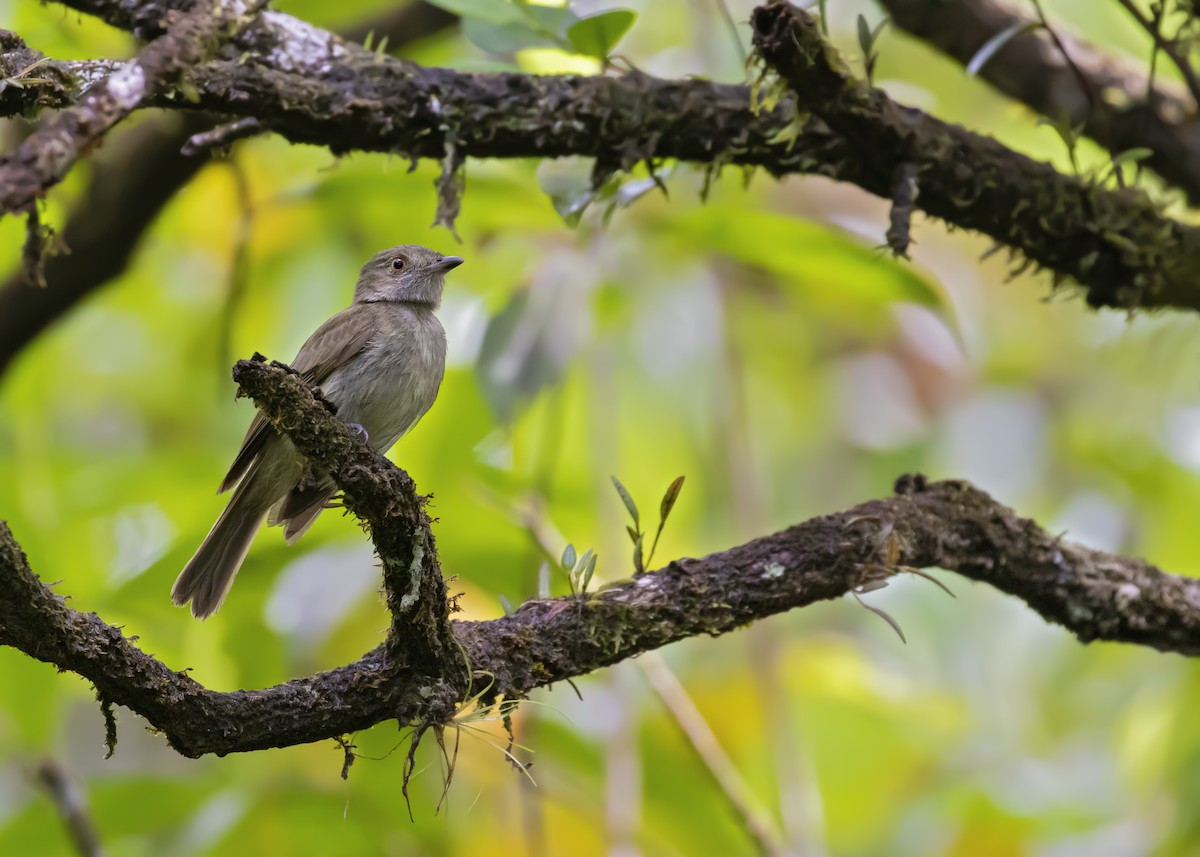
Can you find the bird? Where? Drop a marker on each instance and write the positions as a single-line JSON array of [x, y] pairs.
[[380, 362]]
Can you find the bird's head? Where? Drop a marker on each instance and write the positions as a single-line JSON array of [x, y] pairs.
[[406, 273]]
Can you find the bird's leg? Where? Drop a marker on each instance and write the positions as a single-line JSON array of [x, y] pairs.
[[359, 430]]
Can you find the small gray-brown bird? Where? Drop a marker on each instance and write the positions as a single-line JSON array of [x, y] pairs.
[[380, 361]]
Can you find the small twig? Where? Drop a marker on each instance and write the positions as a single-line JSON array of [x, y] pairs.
[[1095, 106], [904, 203], [68, 798], [238, 265], [348, 754], [221, 137], [1151, 91], [1084, 84], [110, 725], [700, 737], [727, 17], [1167, 46], [33, 252]]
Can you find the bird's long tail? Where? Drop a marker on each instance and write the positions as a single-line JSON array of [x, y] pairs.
[[206, 579]]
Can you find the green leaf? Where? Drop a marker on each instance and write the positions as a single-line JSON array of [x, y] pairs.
[[588, 568], [581, 568], [883, 22], [597, 35], [535, 27], [495, 11], [628, 501], [568, 558], [1131, 156], [506, 604], [551, 19], [639, 564], [830, 268], [864, 34], [993, 45], [868, 36], [503, 38], [668, 500], [633, 534]]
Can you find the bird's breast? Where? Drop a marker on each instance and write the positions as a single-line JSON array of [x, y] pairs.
[[394, 381]]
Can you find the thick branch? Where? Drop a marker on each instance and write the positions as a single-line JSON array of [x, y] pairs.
[[312, 87], [44, 158], [947, 524], [29, 81], [379, 494], [1117, 243], [1031, 69]]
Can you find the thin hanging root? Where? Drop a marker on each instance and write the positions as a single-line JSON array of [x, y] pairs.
[[451, 762], [882, 614], [919, 573], [516, 763], [348, 754], [879, 572], [409, 769]]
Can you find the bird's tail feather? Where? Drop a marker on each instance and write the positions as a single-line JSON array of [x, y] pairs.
[[206, 578], [299, 509]]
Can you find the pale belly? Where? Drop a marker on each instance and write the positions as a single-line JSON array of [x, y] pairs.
[[387, 388]]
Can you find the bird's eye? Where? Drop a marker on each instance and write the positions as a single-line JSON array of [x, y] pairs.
[[398, 264]]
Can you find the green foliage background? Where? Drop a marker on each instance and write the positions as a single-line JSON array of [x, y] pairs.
[[759, 344]]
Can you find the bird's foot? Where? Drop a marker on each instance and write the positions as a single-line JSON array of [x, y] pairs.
[[359, 430]]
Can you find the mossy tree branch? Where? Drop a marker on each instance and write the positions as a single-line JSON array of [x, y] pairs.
[[418, 676], [1123, 108], [311, 87], [1116, 243]]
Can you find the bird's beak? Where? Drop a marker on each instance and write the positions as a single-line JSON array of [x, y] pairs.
[[448, 263]]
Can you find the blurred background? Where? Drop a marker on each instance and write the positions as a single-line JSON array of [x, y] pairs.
[[758, 343]]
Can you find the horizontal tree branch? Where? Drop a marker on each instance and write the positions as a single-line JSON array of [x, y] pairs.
[[947, 524], [1068, 225], [309, 86], [1125, 110]]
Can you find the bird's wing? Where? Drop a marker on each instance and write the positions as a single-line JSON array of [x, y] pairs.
[[332, 345], [336, 343]]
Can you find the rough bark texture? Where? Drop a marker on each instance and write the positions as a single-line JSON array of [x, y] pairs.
[[418, 675]]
